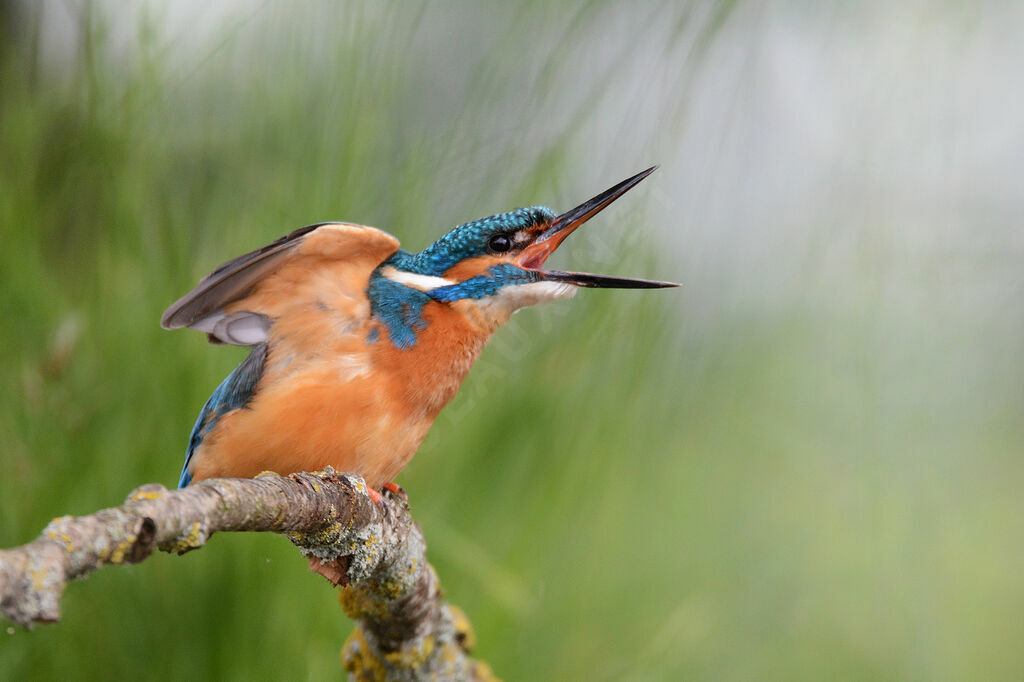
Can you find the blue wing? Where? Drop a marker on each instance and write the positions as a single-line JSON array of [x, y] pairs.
[[234, 393]]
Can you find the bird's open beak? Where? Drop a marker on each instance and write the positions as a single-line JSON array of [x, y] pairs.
[[534, 255]]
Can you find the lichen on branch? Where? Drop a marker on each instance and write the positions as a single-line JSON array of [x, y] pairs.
[[373, 550]]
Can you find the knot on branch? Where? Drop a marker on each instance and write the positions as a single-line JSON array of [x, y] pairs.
[[377, 541]]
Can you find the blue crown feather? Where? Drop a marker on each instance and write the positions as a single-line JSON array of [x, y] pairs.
[[400, 308], [470, 239]]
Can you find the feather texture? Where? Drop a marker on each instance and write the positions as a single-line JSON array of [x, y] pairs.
[[301, 303], [358, 248], [232, 394]]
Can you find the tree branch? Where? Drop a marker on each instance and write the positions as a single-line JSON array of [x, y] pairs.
[[374, 551]]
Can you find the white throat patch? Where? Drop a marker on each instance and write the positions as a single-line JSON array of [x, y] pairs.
[[511, 298]]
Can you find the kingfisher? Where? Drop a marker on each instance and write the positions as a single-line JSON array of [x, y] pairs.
[[357, 344]]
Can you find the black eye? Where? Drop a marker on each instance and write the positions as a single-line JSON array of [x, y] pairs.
[[499, 243]]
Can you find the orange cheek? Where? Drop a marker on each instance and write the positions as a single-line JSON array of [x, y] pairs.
[[473, 267]]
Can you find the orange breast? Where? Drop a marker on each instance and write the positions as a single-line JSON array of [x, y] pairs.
[[332, 399]]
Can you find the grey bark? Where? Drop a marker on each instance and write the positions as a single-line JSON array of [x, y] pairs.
[[373, 551]]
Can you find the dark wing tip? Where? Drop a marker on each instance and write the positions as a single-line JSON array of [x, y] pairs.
[[206, 297], [171, 319]]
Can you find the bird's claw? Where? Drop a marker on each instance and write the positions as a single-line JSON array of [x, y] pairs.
[[396, 489], [389, 487]]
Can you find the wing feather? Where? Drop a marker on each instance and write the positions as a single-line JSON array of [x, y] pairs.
[[356, 248]]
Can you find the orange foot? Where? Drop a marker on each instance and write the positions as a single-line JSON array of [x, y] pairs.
[[396, 489], [390, 487]]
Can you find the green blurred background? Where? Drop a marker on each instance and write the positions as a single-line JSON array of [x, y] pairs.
[[804, 464]]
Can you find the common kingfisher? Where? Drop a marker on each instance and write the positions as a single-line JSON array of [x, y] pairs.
[[358, 344]]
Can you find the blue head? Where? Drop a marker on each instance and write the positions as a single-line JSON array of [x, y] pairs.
[[493, 266]]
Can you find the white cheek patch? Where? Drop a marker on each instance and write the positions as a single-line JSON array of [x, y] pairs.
[[414, 280], [511, 298]]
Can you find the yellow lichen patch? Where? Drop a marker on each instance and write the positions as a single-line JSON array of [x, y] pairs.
[[412, 657], [358, 603], [145, 495], [190, 540], [357, 658], [326, 536], [37, 577], [117, 556], [359, 484], [463, 628], [449, 653], [266, 473], [61, 537], [389, 588]]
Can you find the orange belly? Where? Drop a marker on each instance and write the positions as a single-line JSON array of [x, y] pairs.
[[312, 421], [357, 407]]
